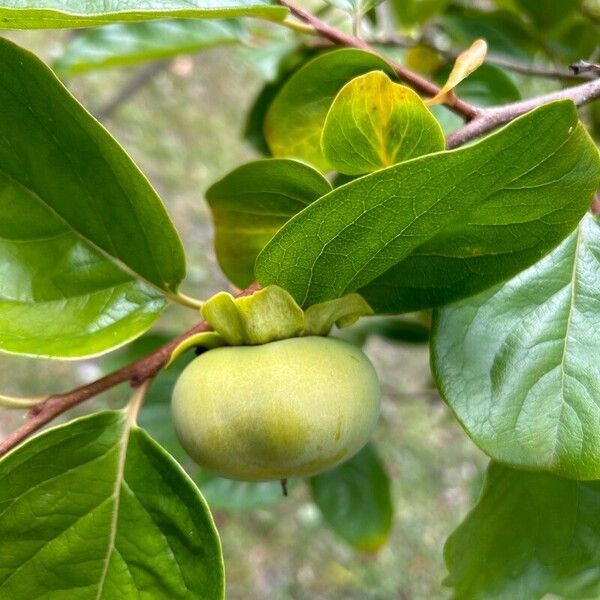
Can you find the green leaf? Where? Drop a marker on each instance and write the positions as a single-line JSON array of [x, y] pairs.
[[546, 15], [96, 509], [58, 14], [504, 31], [122, 45], [401, 330], [443, 226], [87, 248], [355, 500], [529, 535], [518, 363], [250, 204], [226, 494], [296, 117], [375, 123], [414, 12]]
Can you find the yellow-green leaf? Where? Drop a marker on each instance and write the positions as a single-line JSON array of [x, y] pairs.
[[374, 123], [296, 117], [466, 62]]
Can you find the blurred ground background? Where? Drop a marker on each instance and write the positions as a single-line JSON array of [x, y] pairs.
[[183, 130]]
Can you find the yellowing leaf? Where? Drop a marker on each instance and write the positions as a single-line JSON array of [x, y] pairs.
[[466, 62], [374, 123]]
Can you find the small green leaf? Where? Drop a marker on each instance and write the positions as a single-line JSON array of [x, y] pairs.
[[443, 226], [547, 15], [129, 44], [375, 123], [296, 117], [355, 500], [402, 330], [530, 534], [250, 204], [88, 250], [226, 494], [414, 12], [96, 509], [518, 363], [58, 14], [504, 31]]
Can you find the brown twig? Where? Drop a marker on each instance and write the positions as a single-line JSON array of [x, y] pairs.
[[131, 87], [492, 59], [464, 109], [136, 373], [491, 118]]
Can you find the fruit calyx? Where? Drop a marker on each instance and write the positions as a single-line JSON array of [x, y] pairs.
[[268, 315]]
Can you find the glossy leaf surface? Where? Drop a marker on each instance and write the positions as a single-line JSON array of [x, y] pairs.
[[355, 500], [374, 123], [57, 14], [443, 226], [128, 44], [250, 204], [87, 249], [296, 117], [518, 363], [96, 509], [529, 535]]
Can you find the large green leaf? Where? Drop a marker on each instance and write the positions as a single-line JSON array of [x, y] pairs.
[[518, 363], [250, 204], [87, 249], [56, 14], [128, 44], [530, 534], [374, 123], [443, 226], [96, 509], [296, 117], [355, 500]]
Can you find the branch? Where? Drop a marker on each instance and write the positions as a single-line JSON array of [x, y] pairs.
[[131, 87], [137, 373], [491, 118], [492, 59], [462, 108]]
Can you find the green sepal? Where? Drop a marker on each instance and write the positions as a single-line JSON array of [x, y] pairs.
[[204, 339], [268, 315], [344, 311]]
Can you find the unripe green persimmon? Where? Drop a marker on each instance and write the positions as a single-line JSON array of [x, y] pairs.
[[290, 408]]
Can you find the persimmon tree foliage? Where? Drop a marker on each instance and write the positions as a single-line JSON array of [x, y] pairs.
[[405, 183]]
